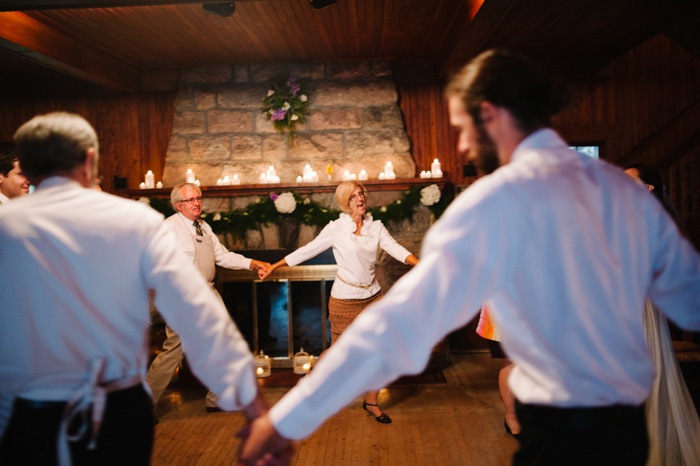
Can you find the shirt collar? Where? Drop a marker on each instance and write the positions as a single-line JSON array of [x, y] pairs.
[[541, 139], [55, 181], [4, 199]]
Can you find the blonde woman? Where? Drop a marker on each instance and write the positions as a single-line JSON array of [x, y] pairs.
[[355, 238]]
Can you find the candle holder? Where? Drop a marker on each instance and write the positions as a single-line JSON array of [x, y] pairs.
[[302, 362], [263, 368]]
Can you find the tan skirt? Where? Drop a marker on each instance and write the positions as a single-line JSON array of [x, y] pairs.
[[342, 312]]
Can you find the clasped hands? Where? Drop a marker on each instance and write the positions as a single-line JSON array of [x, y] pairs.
[[261, 444]]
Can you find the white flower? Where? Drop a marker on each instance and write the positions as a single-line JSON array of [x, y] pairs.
[[430, 195], [286, 106], [295, 117], [145, 200], [383, 208], [302, 97], [307, 201], [270, 92], [217, 217], [285, 203]]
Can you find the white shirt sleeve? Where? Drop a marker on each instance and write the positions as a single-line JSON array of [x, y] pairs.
[[224, 257], [389, 244], [323, 241], [215, 348]]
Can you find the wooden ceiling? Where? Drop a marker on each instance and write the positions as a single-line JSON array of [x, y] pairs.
[[117, 46]]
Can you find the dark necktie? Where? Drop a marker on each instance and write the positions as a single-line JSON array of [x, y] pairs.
[[198, 227]]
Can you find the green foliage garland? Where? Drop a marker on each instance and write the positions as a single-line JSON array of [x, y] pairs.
[[307, 212]]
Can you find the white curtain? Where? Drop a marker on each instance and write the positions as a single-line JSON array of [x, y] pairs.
[[672, 421]]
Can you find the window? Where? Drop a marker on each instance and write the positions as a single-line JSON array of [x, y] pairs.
[[591, 151]]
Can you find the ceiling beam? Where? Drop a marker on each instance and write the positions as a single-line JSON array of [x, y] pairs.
[[28, 5], [36, 42]]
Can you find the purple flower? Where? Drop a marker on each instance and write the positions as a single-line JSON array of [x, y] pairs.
[[295, 89], [278, 114], [273, 196]]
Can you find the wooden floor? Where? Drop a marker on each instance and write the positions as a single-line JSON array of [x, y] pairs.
[[459, 422], [455, 423]]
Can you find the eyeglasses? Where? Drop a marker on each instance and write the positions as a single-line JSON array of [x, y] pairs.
[[360, 194], [192, 199]]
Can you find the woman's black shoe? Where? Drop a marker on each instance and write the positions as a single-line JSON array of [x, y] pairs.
[[383, 418]]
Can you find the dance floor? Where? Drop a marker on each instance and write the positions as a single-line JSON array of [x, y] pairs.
[[455, 422], [458, 421]]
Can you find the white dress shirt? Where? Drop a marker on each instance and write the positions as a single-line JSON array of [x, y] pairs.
[[564, 250], [355, 255], [4, 199], [78, 265], [184, 230]]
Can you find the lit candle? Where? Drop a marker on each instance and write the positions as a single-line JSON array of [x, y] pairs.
[[389, 171], [159, 185], [299, 179], [235, 180], [189, 176], [197, 183], [306, 367], [346, 175], [219, 182], [263, 178], [226, 181], [382, 175], [363, 175], [142, 185], [260, 371], [150, 180], [435, 167]]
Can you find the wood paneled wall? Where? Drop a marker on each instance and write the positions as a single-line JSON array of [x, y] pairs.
[[133, 129], [427, 125]]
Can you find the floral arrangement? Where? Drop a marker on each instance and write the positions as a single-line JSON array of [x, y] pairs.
[[284, 203], [287, 102], [430, 195], [276, 207]]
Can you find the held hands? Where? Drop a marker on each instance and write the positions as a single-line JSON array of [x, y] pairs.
[[271, 269], [262, 445], [261, 267]]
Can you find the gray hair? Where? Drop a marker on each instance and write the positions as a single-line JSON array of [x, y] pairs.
[[53, 144], [176, 195]]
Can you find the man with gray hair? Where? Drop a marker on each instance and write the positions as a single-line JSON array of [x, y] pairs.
[[199, 243], [74, 339]]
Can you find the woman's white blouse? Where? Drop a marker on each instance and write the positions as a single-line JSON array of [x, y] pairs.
[[355, 255]]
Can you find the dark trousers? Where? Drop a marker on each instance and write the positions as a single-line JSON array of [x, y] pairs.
[[609, 436], [125, 437]]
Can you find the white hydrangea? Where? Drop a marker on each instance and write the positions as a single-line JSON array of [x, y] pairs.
[[430, 195], [307, 201], [295, 117], [217, 217], [383, 208], [145, 200], [285, 203], [270, 92], [302, 98]]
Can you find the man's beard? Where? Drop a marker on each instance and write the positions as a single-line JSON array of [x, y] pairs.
[[486, 154]]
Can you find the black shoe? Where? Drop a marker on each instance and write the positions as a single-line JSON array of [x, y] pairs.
[[505, 424], [214, 409], [383, 418]]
